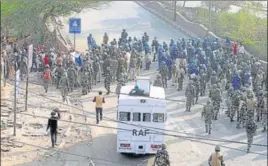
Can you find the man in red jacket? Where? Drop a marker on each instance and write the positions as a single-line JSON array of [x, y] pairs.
[[46, 60], [235, 49]]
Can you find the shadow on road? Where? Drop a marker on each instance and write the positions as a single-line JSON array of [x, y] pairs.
[[104, 146]]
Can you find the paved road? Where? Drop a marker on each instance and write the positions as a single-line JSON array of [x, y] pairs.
[[182, 152], [121, 15]]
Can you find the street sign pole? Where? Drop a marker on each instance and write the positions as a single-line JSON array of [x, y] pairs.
[[15, 101], [75, 27], [29, 65], [74, 41]]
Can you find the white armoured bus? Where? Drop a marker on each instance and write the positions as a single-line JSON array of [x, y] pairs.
[[146, 110]]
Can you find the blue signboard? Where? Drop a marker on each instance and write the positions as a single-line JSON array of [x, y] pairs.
[[75, 25]]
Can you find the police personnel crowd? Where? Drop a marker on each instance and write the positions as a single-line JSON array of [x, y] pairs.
[[219, 69]]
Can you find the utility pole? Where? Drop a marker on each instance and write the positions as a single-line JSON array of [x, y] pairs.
[[15, 101], [27, 83], [175, 10]]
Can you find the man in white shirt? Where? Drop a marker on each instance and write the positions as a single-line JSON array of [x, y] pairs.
[[241, 49]]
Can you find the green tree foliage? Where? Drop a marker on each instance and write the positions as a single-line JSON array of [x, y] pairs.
[[245, 27], [31, 17], [218, 6]]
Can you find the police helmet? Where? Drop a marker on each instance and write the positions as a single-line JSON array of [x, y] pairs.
[[53, 113], [164, 146], [250, 95], [243, 89], [217, 148], [259, 71]]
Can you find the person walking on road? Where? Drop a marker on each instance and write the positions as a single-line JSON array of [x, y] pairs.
[[46, 77], [251, 128], [53, 125], [216, 158], [162, 157], [208, 114], [99, 100]]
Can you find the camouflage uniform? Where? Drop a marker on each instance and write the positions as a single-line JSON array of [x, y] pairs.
[[120, 67], [197, 88], [251, 105], [108, 80], [258, 80], [121, 61], [124, 75], [84, 80], [90, 77], [264, 115], [114, 67], [189, 93], [162, 157], [64, 86], [71, 77], [235, 104], [139, 64], [106, 64], [215, 95], [59, 72], [97, 72], [174, 73], [158, 81], [208, 114], [181, 74], [229, 101], [260, 104], [132, 67], [202, 83], [164, 73], [214, 78], [251, 128], [242, 112], [120, 83]]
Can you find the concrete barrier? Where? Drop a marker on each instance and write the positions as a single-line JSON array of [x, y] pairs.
[[189, 28]]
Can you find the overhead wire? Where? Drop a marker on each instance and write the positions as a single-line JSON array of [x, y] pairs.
[[167, 99], [145, 127], [157, 133]]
